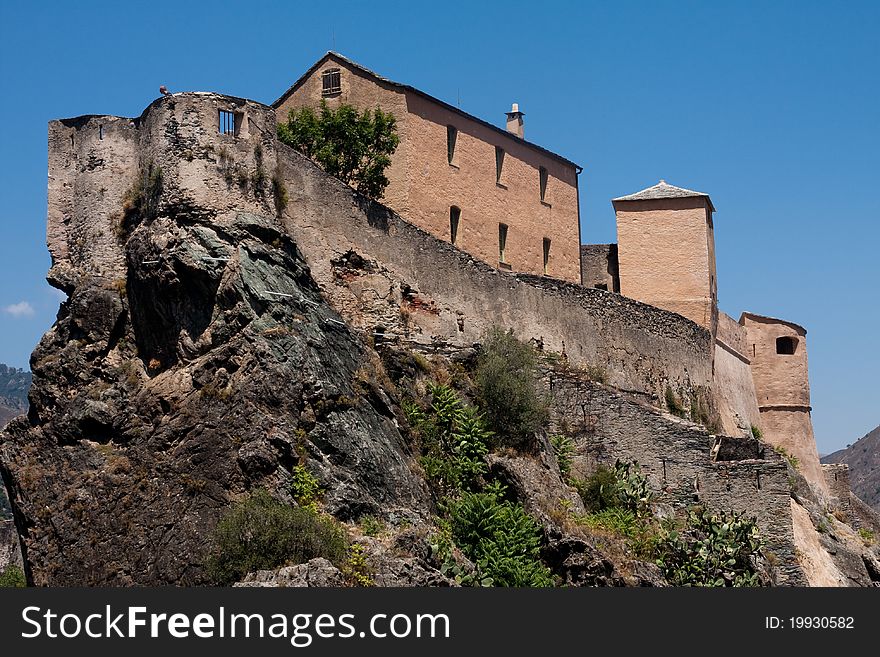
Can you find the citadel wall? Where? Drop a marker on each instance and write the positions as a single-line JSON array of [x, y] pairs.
[[599, 267], [778, 352], [96, 162], [681, 460], [737, 405], [387, 276]]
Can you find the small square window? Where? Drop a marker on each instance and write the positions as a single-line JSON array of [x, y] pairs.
[[331, 82]]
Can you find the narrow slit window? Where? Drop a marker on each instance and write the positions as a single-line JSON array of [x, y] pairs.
[[331, 82], [502, 242], [786, 345], [499, 163], [454, 218], [542, 176], [227, 123], [451, 138], [100, 132], [546, 247]]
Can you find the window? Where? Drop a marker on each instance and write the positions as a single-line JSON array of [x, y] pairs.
[[786, 345], [599, 286], [331, 82], [230, 122], [100, 131], [499, 163], [546, 253], [451, 137], [454, 216], [542, 174], [502, 241]]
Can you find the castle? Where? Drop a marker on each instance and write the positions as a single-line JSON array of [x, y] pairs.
[[458, 247], [522, 215]]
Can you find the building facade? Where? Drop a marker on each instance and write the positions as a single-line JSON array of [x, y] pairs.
[[483, 188], [666, 251]]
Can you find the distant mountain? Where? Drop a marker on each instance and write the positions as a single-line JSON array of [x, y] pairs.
[[14, 386], [863, 458]]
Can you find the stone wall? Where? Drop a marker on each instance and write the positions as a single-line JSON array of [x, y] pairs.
[[733, 378], [599, 266], [95, 163], [387, 276], [683, 463], [837, 480]]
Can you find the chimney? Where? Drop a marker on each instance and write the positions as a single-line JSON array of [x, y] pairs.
[[515, 121]]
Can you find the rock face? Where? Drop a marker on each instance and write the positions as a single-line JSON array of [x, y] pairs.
[[14, 385], [159, 399], [863, 459]]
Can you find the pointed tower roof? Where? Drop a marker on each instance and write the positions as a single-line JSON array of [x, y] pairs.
[[664, 190]]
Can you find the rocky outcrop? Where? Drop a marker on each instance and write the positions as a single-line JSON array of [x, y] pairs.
[[211, 369], [317, 572]]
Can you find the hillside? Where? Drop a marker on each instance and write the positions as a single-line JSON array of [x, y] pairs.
[[863, 459], [14, 386]]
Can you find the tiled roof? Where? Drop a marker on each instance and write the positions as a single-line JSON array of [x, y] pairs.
[[664, 190], [406, 87]]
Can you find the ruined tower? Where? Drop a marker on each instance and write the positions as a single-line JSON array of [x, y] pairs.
[[666, 253], [778, 353]]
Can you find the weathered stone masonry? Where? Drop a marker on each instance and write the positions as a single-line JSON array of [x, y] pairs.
[[394, 281]]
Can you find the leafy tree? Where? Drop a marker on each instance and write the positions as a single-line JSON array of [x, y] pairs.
[[356, 147]]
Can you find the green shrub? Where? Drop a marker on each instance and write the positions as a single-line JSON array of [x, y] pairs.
[[563, 448], [867, 535], [756, 432], [305, 487], [500, 538], [793, 460], [12, 578], [356, 147], [371, 526], [261, 533], [454, 440], [356, 570], [623, 486], [507, 387], [712, 550]]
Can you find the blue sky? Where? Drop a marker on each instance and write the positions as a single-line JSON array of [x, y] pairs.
[[772, 108]]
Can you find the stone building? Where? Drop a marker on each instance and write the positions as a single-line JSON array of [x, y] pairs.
[[666, 251], [665, 257], [487, 190], [778, 352]]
